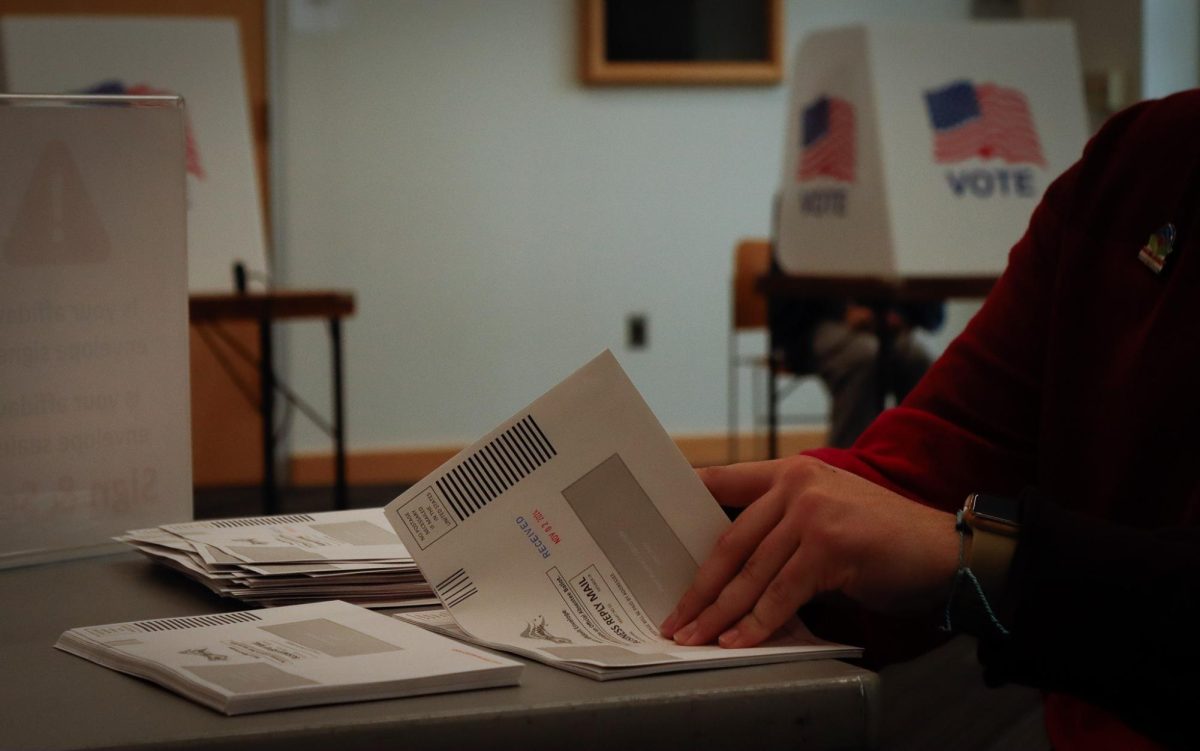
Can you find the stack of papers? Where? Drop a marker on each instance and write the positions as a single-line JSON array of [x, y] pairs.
[[320, 653], [284, 560]]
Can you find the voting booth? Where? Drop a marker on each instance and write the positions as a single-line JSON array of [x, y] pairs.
[[94, 399], [922, 149]]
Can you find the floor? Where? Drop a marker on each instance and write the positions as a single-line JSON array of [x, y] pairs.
[[935, 702]]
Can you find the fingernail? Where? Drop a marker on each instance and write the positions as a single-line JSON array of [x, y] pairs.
[[668, 626], [683, 635], [729, 638]]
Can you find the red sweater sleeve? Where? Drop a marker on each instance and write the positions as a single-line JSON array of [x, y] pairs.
[[971, 423], [1077, 377]]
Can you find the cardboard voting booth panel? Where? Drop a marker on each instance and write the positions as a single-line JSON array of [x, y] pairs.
[[94, 429], [921, 150]]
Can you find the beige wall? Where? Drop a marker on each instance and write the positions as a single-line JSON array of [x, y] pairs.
[[498, 220]]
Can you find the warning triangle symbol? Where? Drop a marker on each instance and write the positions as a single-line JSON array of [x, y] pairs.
[[57, 223]]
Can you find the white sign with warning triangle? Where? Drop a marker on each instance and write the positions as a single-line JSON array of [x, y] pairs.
[[94, 400], [56, 221]]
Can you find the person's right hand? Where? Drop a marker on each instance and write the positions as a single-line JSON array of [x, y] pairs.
[[809, 527]]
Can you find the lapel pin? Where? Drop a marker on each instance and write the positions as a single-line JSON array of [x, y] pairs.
[[1160, 245]]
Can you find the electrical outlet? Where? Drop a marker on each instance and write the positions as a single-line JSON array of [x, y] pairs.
[[637, 331]]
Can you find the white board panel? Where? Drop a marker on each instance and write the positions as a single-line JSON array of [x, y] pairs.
[[94, 399], [198, 59]]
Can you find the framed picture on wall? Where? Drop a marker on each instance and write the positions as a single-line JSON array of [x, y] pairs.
[[709, 42]]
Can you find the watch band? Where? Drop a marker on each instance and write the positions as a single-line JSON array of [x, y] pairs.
[[994, 525], [989, 556]]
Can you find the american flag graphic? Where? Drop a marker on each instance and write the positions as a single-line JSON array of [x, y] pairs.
[[985, 121], [827, 140], [118, 88]]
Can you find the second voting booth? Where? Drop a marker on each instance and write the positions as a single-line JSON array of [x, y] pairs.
[[922, 149]]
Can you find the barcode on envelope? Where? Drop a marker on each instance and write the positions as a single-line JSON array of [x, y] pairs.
[[500, 464], [197, 621], [262, 521], [455, 588]]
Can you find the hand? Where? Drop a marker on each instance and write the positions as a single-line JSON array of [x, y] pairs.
[[860, 317], [807, 528]]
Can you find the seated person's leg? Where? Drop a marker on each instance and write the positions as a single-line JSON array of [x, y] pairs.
[[846, 361], [910, 360]]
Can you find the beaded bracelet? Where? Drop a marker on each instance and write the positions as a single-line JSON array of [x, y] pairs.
[[968, 609]]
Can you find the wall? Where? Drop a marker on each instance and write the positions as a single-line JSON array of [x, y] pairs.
[[498, 220], [1171, 46], [1108, 33], [1140, 49]]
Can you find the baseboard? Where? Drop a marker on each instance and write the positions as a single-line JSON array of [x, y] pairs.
[[401, 465], [707, 450], [395, 466]]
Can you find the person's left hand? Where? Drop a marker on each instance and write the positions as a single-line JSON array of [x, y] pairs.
[[897, 322], [807, 528]]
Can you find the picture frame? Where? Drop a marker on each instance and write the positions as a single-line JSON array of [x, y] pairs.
[[686, 42]]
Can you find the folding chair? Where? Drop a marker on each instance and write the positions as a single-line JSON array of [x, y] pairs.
[[752, 260]]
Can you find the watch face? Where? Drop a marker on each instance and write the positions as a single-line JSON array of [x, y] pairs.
[[998, 508]]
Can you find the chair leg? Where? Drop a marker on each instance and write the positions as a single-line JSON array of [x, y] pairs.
[[772, 410], [732, 397]]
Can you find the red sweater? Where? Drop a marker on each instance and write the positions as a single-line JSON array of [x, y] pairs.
[[1080, 376]]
